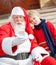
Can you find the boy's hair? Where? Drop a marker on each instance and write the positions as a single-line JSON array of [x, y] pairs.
[[34, 12]]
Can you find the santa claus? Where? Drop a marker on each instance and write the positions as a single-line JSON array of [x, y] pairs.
[[17, 37]]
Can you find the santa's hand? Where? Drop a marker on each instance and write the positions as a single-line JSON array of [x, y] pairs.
[[39, 53], [22, 35], [17, 41]]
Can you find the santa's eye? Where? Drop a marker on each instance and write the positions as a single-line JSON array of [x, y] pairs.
[[20, 16]]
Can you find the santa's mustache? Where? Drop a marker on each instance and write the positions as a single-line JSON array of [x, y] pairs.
[[20, 23]]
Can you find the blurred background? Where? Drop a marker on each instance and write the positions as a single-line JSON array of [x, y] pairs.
[[47, 8]]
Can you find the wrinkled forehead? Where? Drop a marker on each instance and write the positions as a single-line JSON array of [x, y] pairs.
[[18, 16]]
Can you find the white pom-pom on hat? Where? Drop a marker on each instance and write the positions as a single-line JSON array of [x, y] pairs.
[[17, 11], [31, 36]]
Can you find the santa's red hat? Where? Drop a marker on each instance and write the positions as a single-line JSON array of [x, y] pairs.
[[28, 28]]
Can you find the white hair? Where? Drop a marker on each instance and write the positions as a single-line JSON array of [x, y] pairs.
[[34, 12]]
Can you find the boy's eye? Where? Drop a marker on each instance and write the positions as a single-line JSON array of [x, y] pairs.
[[34, 18]]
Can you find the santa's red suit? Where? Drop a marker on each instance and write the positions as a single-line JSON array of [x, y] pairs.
[[9, 44]]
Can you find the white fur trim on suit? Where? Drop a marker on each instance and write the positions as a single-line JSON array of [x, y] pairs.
[[1, 63], [10, 61], [36, 53], [7, 46]]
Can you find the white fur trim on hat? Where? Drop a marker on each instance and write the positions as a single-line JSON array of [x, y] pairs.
[[17, 11], [31, 36]]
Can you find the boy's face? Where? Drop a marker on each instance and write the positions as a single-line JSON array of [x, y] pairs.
[[34, 19]]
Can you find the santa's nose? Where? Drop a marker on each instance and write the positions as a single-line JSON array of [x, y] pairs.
[[18, 18]]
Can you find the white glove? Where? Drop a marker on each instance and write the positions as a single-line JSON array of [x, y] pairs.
[[17, 41], [37, 53]]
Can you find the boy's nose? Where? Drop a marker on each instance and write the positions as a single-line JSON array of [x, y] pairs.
[[31, 19]]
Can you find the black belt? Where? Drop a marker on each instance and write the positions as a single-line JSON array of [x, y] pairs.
[[18, 56]]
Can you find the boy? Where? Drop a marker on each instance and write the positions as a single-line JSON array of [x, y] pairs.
[[44, 33]]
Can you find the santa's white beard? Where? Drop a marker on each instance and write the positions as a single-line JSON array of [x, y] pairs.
[[18, 27], [20, 30]]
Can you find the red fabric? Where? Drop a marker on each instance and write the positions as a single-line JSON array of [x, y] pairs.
[[28, 27], [7, 31], [36, 63], [41, 38], [48, 61]]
